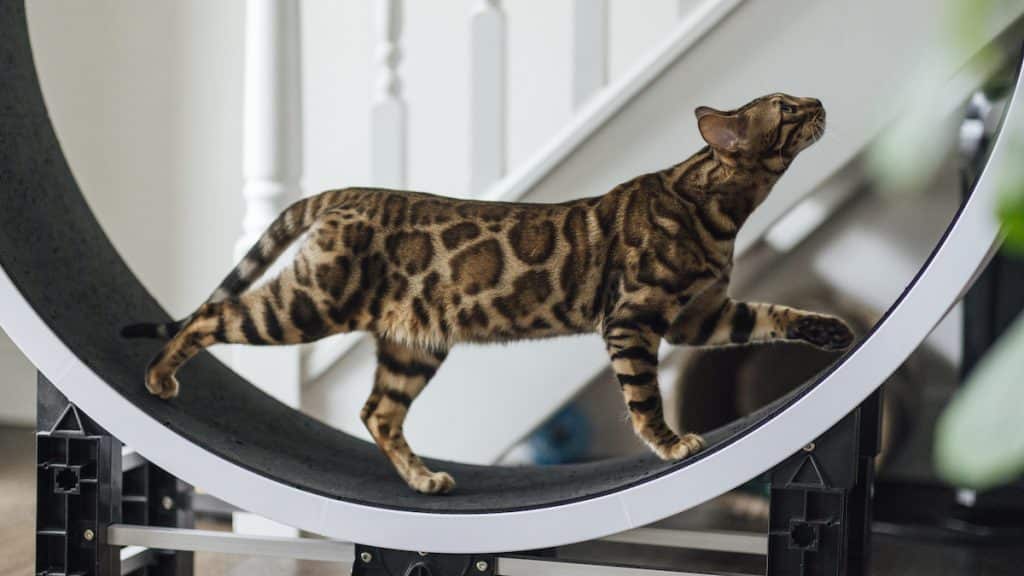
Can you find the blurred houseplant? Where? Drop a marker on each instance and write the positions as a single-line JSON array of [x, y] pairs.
[[979, 439]]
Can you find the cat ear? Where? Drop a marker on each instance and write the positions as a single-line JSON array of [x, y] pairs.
[[703, 111], [719, 130]]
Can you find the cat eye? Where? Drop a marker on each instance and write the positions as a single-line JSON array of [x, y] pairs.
[[789, 109]]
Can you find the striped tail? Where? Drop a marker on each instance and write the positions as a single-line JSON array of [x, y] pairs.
[[155, 331], [288, 226]]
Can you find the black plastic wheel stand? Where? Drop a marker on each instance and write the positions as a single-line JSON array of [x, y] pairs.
[[820, 518], [819, 526], [85, 484], [372, 561]]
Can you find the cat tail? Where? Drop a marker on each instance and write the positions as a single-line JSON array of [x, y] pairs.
[[152, 330], [288, 226]]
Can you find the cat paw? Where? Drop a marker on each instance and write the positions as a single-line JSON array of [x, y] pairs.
[[432, 483], [688, 445], [825, 332], [166, 387]]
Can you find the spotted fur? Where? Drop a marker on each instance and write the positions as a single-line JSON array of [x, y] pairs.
[[647, 261]]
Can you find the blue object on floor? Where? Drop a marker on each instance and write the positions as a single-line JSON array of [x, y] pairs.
[[564, 438]]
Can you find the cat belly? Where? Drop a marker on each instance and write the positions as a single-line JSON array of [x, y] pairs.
[[465, 319]]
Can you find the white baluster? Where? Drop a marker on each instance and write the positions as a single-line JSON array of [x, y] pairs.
[[590, 49], [272, 167], [272, 160], [487, 97], [272, 156], [388, 117]]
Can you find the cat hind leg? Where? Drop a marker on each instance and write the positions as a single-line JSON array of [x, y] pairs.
[[261, 316], [402, 373]]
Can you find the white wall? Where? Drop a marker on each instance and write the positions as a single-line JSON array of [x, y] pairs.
[[146, 98]]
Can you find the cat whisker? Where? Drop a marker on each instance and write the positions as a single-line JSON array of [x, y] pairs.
[[817, 131]]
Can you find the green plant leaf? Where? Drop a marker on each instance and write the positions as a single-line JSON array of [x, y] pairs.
[[1011, 200], [980, 436], [1011, 214], [966, 19]]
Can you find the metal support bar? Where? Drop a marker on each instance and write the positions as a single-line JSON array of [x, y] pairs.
[[230, 543], [334, 550], [547, 567], [343, 552], [714, 540]]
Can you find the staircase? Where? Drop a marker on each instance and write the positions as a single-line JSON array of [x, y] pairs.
[[486, 398]]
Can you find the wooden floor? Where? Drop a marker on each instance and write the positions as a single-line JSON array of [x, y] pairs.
[[892, 556], [17, 502]]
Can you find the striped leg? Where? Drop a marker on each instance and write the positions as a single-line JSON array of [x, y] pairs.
[[402, 373], [201, 331], [731, 322], [634, 355], [261, 316]]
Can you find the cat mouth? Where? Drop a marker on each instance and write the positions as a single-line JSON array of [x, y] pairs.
[[818, 128]]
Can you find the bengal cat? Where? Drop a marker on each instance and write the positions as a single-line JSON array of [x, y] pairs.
[[649, 260]]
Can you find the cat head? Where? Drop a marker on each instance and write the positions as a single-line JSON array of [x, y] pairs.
[[769, 131]]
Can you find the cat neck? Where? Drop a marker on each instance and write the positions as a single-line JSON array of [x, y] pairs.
[[731, 185]]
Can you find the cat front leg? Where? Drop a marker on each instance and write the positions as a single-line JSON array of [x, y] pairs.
[[634, 357], [724, 322]]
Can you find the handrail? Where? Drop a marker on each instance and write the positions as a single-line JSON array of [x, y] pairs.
[[609, 101]]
